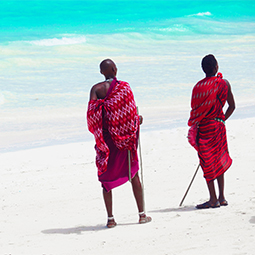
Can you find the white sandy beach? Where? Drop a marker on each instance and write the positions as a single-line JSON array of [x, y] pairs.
[[51, 201]]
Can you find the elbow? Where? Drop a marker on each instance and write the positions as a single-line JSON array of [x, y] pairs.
[[232, 109], [232, 106]]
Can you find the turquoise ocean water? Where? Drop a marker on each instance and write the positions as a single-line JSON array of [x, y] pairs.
[[50, 52]]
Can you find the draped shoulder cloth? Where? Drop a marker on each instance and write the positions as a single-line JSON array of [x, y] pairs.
[[204, 96], [122, 121]]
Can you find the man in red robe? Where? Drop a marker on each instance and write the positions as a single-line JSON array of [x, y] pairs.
[[113, 120], [208, 99]]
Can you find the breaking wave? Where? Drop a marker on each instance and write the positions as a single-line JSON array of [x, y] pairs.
[[201, 14], [59, 41]]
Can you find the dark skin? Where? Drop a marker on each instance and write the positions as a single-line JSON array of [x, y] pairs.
[[231, 107], [99, 91]]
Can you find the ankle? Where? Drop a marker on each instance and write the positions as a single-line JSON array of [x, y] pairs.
[[213, 200], [221, 198], [142, 214], [111, 223]]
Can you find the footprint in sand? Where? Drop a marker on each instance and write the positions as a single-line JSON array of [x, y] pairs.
[[252, 220]]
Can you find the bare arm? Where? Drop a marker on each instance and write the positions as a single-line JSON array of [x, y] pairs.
[[140, 119], [93, 95], [231, 102]]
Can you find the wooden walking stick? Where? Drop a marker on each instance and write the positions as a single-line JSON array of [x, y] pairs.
[[140, 156], [141, 167], [141, 164], [189, 185], [129, 166]]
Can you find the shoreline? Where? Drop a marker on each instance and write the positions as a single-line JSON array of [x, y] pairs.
[[73, 129]]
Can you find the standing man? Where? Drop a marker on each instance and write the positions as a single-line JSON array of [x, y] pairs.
[[208, 99], [113, 120]]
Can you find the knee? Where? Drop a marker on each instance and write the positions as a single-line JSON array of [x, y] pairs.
[[135, 178]]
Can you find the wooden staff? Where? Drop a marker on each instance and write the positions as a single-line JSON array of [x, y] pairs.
[[141, 163], [189, 185], [129, 166]]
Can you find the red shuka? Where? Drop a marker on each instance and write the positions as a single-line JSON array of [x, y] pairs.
[[208, 98], [122, 121]]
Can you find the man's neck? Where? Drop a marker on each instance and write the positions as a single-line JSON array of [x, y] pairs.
[[109, 80], [109, 77]]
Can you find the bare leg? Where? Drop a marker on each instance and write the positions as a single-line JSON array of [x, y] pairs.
[[211, 188], [222, 199], [138, 193], [220, 180], [213, 202], [108, 204]]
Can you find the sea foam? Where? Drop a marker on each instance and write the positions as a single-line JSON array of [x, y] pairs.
[[202, 14], [59, 41]]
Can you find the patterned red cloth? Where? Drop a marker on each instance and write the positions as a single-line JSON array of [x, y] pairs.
[[203, 99], [208, 98], [122, 121], [213, 149]]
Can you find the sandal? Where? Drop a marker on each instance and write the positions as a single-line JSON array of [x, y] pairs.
[[143, 218], [207, 205], [111, 222], [224, 202]]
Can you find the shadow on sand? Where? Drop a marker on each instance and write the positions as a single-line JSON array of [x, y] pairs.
[[75, 230], [179, 209], [80, 229]]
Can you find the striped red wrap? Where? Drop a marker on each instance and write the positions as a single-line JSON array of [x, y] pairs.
[[208, 98]]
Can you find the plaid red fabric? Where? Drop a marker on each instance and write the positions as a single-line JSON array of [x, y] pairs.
[[122, 121]]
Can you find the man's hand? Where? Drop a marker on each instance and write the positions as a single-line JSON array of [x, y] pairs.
[[140, 119]]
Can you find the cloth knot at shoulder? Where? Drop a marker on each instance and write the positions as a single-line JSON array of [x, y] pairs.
[[219, 75]]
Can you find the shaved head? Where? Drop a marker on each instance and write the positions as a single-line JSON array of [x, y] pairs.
[[108, 68], [106, 65]]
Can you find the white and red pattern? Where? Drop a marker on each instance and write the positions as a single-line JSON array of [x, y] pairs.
[[122, 121]]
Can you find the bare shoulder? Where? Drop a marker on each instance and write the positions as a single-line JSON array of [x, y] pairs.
[[98, 86], [229, 86], [99, 90], [227, 82]]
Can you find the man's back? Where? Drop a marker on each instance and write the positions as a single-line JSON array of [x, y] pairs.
[[99, 91]]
